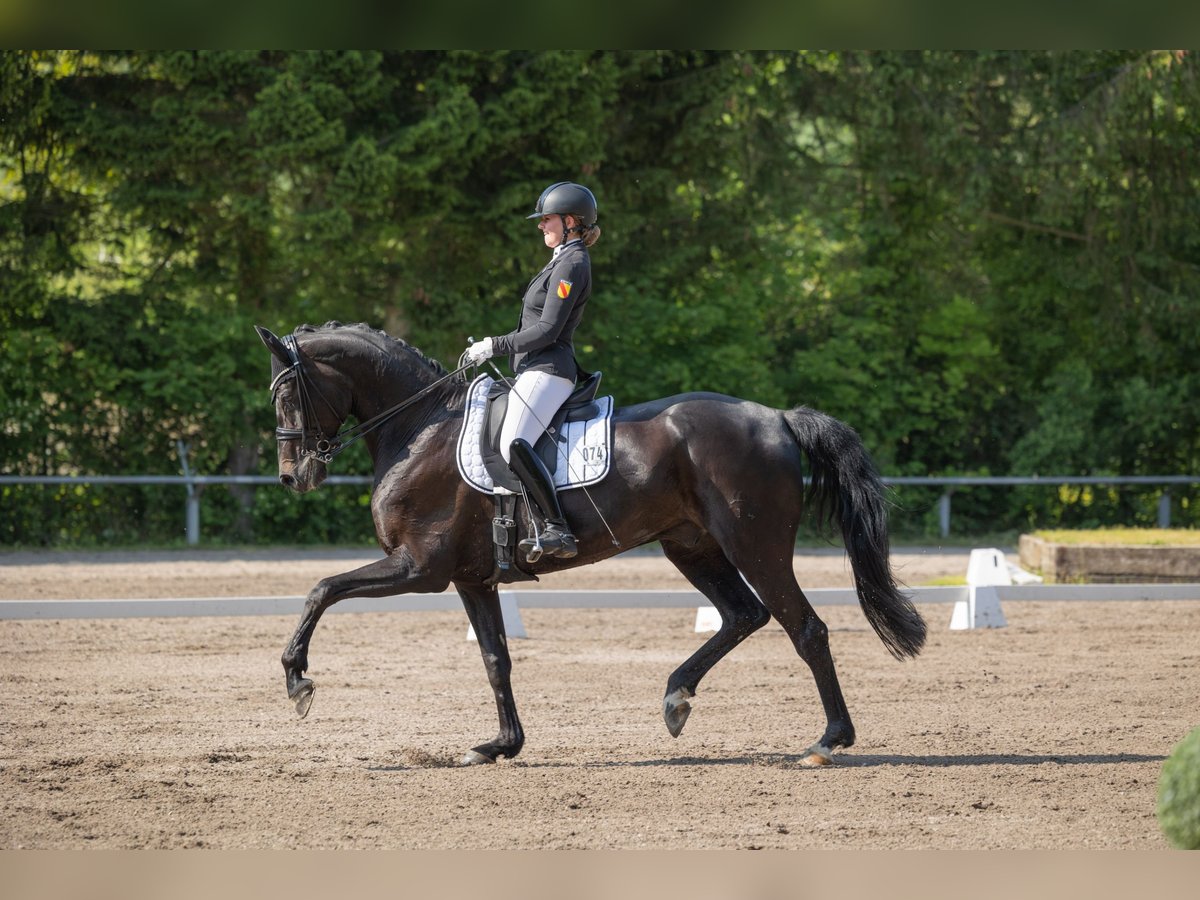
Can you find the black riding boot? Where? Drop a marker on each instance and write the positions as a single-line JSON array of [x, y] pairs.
[[556, 539]]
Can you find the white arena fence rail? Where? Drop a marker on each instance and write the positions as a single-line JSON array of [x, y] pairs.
[[555, 599], [195, 484]]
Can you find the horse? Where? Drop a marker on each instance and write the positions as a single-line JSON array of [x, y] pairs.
[[718, 481]]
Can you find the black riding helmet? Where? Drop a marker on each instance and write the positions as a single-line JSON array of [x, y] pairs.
[[565, 198]]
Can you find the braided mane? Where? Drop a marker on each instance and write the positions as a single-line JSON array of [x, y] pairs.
[[367, 330]]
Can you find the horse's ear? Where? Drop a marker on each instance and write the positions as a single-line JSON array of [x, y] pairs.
[[274, 344]]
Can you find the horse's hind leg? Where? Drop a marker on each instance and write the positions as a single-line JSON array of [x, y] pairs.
[[707, 568], [776, 585], [483, 609]]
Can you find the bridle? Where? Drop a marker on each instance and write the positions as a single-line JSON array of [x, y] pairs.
[[313, 441]]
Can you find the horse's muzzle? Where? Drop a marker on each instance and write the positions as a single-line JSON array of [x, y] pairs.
[[302, 478]]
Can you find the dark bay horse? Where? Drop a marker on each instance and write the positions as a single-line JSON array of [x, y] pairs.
[[718, 481]]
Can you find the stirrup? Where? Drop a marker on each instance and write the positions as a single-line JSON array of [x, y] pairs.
[[556, 540]]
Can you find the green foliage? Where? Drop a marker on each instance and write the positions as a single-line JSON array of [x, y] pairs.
[[1178, 806], [986, 262]]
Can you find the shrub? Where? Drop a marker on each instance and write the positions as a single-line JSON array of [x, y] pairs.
[[1179, 794]]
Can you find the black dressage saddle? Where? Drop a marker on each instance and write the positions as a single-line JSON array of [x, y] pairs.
[[579, 407]]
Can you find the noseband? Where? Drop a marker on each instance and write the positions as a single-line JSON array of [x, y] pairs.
[[314, 443]]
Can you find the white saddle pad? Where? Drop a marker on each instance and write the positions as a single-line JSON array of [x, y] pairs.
[[587, 450]]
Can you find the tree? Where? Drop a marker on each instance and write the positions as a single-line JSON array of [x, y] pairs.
[[984, 261]]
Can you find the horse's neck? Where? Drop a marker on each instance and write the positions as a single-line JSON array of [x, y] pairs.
[[400, 380], [379, 390]]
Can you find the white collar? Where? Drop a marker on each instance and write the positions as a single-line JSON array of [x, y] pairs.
[[561, 247]]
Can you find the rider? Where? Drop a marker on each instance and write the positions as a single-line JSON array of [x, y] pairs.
[[541, 352]]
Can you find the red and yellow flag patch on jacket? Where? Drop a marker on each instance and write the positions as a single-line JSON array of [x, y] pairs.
[[564, 290]]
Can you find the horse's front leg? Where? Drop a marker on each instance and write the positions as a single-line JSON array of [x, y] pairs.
[[395, 574], [483, 609]]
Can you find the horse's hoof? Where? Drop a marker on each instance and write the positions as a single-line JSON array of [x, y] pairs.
[[302, 696], [817, 756], [676, 710], [475, 758]]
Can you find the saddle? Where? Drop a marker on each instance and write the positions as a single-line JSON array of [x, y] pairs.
[[580, 407], [576, 446], [576, 449]]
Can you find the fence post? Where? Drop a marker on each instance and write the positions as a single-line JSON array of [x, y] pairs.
[[193, 497], [944, 513], [1164, 510]]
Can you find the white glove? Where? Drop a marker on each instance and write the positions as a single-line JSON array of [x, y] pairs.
[[479, 351]]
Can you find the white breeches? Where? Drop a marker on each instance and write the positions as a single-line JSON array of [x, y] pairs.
[[535, 398]]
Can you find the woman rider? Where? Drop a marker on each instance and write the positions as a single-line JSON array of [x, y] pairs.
[[541, 350]]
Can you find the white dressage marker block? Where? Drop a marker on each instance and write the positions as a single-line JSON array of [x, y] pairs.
[[1020, 576], [707, 619], [987, 569], [981, 609], [513, 626]]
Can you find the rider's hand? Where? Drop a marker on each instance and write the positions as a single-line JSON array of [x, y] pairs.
[[479, 351]]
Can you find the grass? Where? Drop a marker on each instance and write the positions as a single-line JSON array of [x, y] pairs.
[[1138, 537]]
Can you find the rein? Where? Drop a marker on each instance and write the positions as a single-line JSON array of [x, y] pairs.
[[323, 448]]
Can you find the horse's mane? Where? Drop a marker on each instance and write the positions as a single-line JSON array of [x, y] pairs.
[[366, 330]]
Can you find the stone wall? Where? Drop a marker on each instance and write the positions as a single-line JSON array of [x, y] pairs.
[[1109, 563]]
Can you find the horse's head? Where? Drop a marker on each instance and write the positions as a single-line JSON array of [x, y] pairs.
[[312, 400]]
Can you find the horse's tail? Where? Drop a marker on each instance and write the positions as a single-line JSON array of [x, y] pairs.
[[847, 488]]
